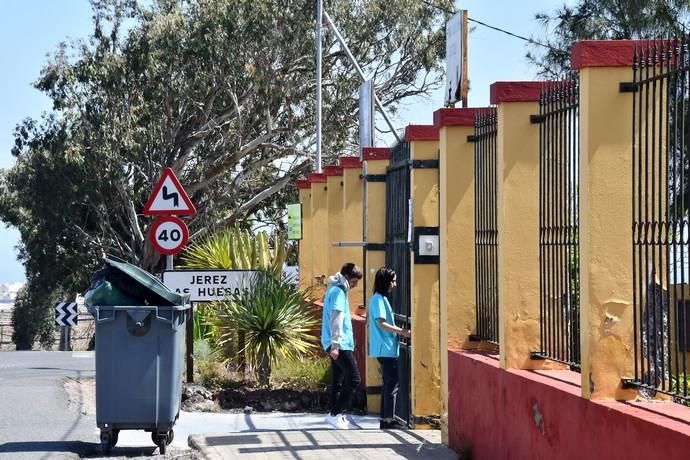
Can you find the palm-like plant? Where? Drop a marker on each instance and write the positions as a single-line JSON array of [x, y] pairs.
[[275, 319]]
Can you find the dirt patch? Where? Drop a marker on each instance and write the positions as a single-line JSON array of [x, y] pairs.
[[268, 400], [81, 395]]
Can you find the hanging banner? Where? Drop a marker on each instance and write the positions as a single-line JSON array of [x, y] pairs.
[[456, 58], [294, 226]]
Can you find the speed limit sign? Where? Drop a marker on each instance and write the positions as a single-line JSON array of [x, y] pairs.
[[169, 235]]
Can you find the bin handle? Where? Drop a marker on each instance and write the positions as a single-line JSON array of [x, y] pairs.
[[104, 319]]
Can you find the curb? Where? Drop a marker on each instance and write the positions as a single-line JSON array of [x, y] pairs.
[[198, 443]]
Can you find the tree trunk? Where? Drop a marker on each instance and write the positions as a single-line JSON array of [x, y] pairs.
[[263, 369]]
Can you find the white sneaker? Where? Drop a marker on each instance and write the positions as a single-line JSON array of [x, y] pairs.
[[339, 422]]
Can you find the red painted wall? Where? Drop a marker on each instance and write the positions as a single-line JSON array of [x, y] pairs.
[[516, 414]]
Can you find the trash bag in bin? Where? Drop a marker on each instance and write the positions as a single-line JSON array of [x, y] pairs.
[[129, 285]]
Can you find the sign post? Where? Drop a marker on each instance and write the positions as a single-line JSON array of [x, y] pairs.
[[456, 59], [169, 234]]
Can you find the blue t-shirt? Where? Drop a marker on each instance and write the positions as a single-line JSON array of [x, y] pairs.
[[382, 343], [336, 299]]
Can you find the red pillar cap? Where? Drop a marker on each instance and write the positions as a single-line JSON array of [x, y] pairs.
[[421, 133], [317, 177], [604, 53], [302, 183], [333, 170], [454, 117], [376, 153], [349, 162], [515, 91]]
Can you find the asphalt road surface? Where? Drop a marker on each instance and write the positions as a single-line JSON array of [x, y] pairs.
[[46, 415]]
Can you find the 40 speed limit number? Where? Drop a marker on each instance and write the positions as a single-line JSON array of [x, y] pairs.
[[169, 235]]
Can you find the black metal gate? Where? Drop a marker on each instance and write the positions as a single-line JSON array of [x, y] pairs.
[[399, 257]]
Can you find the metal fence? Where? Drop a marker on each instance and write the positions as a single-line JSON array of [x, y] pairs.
[[485, 224], [661, 88], [399, 258], [559, 255]]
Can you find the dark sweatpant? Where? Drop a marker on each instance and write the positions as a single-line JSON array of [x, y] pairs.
[[346, 379], [389, 391]]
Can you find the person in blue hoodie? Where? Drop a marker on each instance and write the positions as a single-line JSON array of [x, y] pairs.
[[338, 341], [383, 342]]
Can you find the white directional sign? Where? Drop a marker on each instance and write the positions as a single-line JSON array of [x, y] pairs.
[[169, 198], [169, 235], [66, 314], [207, 285]]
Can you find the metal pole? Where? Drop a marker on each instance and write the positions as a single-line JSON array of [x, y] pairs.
[[319, 42], [168, 262], [330, 23]]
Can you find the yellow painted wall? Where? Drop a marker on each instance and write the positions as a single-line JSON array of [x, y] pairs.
[[306, 276], [606, 296], [353, 222], [457, 273], [518, 234], [375, 233], [334, 201], [320, 238], [426, 359]]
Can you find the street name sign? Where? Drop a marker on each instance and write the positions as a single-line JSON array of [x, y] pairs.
[[66, 314], [169, 198], [208, 285]]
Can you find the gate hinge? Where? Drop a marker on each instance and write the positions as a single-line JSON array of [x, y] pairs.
[[628, 87]]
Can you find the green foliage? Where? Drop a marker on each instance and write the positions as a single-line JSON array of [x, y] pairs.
[[313, 373], [680, 383], [221, 91], [236, 249], [32, 321], [204, 318], [602, 20], [275, 320]]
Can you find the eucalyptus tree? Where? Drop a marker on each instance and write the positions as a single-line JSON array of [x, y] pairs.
[[603, 20], [221, 91]]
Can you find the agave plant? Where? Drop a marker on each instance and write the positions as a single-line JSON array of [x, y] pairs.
[[275, 320], [237, 249]]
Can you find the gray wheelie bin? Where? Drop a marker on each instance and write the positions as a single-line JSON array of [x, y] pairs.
[[140, 329]]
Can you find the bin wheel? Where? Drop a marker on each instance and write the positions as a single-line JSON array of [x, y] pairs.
[[107, 442], [162, 440], [114, 437]]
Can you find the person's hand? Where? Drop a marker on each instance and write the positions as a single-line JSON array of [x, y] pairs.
[[405, 333], [334, 353]]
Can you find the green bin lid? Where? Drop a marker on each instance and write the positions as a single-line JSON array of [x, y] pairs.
[[146, 280]]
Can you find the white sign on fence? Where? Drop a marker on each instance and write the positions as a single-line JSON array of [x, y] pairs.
[[207, 285]]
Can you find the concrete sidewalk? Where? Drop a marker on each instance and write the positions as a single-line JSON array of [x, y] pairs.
[[292, 436], [319, 444]]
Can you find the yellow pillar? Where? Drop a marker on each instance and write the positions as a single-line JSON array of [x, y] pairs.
[[334, 204], [353, 222], [518, 222], [319, 232], [305, 244], [606, 288], [426, 357], [456, 230], [374, 168]]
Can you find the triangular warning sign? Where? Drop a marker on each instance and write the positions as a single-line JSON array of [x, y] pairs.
[[169, 198]]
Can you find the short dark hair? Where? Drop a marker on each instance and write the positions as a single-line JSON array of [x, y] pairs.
[[351, 271], [383, 279]]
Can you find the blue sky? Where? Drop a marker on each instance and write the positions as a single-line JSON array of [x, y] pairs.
[[30, 29]]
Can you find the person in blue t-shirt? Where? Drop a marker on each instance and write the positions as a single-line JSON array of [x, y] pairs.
[[383, 342], [338, 341]]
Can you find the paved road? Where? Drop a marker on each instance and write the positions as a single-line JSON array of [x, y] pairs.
[[35, 420]]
